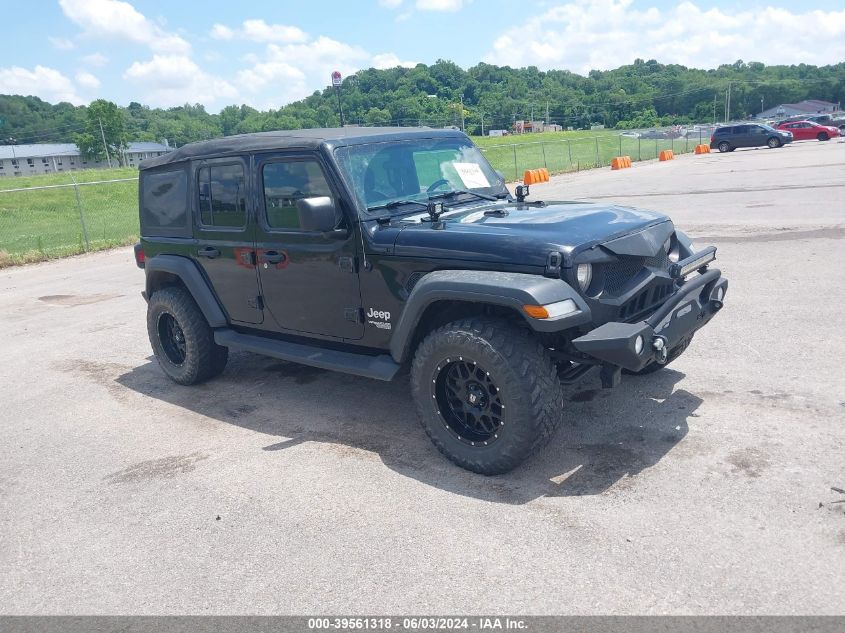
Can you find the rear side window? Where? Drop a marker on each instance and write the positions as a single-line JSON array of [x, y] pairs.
[[164, 203], [742, 129], [222, 195]]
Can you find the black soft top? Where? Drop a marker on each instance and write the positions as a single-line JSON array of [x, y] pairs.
[[293, 139]]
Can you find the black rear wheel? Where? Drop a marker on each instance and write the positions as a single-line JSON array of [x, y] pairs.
[[724, 146], [487, 393], [181, 338]]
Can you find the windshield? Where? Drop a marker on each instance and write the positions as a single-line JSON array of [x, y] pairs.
[[385, 175]]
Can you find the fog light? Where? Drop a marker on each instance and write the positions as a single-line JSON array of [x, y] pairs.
[[638, 344]]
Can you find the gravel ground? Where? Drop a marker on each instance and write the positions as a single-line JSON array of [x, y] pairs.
[[278, 489]]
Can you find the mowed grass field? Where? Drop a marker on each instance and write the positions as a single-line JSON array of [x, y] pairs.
[[562, 152], [39, 223]]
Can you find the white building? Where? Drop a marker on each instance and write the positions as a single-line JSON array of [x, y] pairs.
[[47, 158]]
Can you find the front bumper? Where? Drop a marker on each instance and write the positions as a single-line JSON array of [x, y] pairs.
[[689, 309]]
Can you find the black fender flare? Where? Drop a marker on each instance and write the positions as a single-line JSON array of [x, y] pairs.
[[188, 272], [512, 290]]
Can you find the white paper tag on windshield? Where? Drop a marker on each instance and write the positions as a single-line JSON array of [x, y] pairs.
[[471, 175]]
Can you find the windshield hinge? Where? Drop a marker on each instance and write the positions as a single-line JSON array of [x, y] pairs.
[[553, 262]]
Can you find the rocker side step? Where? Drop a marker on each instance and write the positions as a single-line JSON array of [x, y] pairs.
[[381, 367]]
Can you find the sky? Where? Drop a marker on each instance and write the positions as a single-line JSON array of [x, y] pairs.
[[267, 53]]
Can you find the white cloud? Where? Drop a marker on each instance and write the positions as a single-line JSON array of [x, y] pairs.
[[222, 32], [604, 34], [260, 31], [41, 81], [120, 20], [62, 43], [281, 76], [293, 71], [390, 4], [87, 80], [390, 60], [172, 80], [97, 60], [442, 5]]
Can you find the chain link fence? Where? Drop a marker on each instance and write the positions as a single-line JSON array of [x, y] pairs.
[[67, 213], [589, 152]]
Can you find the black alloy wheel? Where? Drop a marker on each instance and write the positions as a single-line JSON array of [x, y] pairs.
[[470, 403], [172, 339]]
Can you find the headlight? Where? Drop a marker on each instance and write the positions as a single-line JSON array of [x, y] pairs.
[[584, 273]]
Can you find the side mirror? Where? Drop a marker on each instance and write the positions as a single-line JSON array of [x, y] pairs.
[[317, 214]]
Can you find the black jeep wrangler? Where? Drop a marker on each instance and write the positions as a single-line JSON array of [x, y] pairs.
[[363, 249]]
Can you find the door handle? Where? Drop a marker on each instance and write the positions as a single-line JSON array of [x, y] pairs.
[[272, 257], [209, 252]]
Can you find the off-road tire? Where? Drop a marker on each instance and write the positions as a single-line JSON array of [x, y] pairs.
[[203, 358], [524, 376], [773, 142], [652, 367], [724, 146], [823, 136]]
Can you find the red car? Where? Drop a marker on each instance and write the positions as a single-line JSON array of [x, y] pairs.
[[808, 131]]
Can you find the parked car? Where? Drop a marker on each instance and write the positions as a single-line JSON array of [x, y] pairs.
[[730, 137], [836, 119], [654, 134], [810, 131], [365, 250]]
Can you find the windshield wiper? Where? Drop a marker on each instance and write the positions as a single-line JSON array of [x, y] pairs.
[[456, 192], [397, 203]]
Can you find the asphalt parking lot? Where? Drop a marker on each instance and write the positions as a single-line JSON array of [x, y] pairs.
[[706, 488]]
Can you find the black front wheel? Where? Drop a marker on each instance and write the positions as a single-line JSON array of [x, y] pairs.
[[823, 136], [182, 340], [774, 142], [487, 393]]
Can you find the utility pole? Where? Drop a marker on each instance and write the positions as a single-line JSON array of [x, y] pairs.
[[547, 113], [105, 147], [728, 106], [336, 81], [715, 94], [482, 123], [462, 113]]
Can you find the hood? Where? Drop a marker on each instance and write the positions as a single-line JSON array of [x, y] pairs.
[[527, 233]]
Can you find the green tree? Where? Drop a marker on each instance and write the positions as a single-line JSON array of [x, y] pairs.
[[104, 124]]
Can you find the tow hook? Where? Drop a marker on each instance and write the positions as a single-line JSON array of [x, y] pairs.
[[661, 353]]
